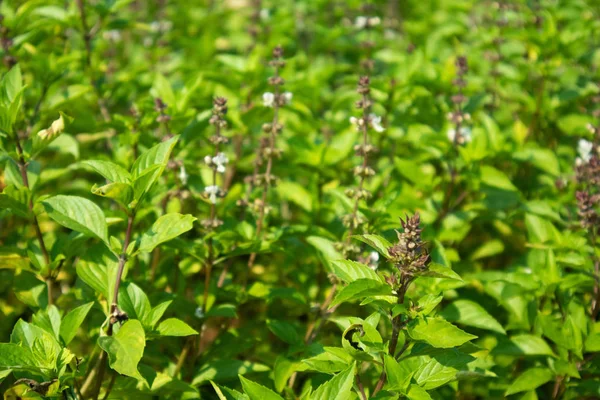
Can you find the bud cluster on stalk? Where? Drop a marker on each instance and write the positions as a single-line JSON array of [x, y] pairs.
[[459, 134], [409, 255], [218, 161], [587, 173], [267, 150]]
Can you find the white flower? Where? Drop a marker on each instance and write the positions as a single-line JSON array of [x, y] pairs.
[[465, 135], [376, 123], [287, 96], [183, 176], [208, 160], [374, 256], [199, 313], [361, 22], [358, 122], [373, 260], [268, 99], [374, 21], [584, 148], [161, 26], [212, 192], [220, 160], [112, 35], [265, 14]]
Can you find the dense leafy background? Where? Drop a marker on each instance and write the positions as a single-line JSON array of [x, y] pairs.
[[511, 308]]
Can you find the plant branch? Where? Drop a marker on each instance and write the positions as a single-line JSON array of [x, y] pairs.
[[114, 313], [36, 226], [396, 327]]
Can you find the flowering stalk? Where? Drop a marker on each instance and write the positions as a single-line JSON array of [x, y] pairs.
[[366, 121], [354, 220], [411, 258], [217, 163], [495, 56], [268, 149], [587, 173], [458, 135]]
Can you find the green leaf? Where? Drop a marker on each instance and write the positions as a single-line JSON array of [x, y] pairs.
[[150, 165], [469, 313], [436, 270], [377, 242], [9, 203], [126, 348], [360, 289], [258, 392], [122, 193], [157, 312], [135, 303], [523, 345], [222, 310], [398, 378], [11, 85], [175, 327], [530, 380], [283, 370], [438, 332], [592, 342], [98, 269], [333, 360], [439, 369], [109, 170], [167, 227], [339, 387], [78, 214], [222, 370], [15, 357], [228, 394], [415, 392], [72, 321], [295, 193], [49, 320], [350, 271], [285, 331]]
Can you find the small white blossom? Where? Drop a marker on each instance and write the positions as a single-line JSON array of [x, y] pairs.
[[183, 176], [220, 160], [287, 96], [208, 160], [584, 148], [199, 313], [373, 260], [161, 26], [361, 22], [465, 135], [376, 123], [268, 99], [358, 122], [212, 192], [265, 14], [374, 21], [112, 35]]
